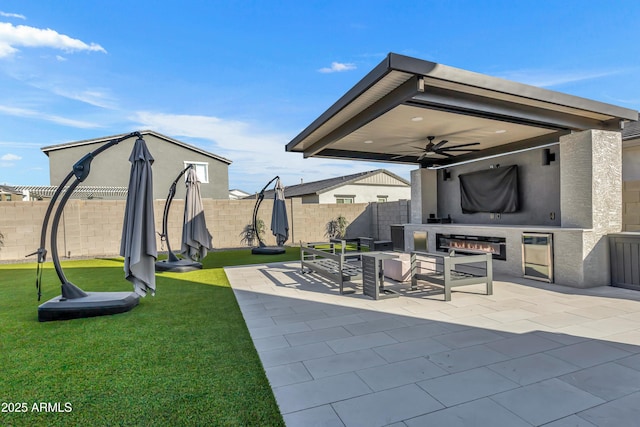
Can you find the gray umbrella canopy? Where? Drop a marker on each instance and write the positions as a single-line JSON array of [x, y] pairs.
[[196, 240], [138, 244], [279, 220]]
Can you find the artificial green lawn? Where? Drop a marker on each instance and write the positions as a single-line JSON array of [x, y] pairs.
[[183, 357]]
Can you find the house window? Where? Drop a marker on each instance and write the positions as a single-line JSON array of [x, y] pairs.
[[202, 170], [382, 199], [345, 199]]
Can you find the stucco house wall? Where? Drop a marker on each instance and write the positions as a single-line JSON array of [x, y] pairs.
[[365, 193], [112, 166]]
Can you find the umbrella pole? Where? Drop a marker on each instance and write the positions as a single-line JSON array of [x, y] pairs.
[[42, 251], [165, 217], [69, 290], [255, 219]]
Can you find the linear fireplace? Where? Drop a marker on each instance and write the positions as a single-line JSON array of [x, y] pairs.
[[496, 246]]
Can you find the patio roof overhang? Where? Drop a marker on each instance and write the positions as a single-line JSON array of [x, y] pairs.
[[389, 114]]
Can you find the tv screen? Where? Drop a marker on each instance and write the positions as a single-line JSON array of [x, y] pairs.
[[490, 190]]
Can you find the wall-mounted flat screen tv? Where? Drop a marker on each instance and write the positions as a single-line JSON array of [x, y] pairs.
[[490, 190]]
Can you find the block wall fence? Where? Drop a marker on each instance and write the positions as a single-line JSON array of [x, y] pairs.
[[93, 228]]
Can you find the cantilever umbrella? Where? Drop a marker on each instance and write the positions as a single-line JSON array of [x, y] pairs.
[[279, 220], [196, 240], [138, 245]]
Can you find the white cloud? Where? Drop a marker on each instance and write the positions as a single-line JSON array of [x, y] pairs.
[[12, 37], [258, 155], [337, 67], [12, 15], [23, 112], [10, 157], [96, 97], [16, 144], [546, 78]]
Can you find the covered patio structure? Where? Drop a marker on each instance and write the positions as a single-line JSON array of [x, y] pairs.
[[567, 153]]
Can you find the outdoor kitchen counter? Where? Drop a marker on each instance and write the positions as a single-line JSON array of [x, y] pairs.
[[574, 266], [545, 228]]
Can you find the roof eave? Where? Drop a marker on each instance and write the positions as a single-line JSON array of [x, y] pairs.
[[50, 148]]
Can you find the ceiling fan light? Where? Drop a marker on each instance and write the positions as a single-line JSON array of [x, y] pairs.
[[368, 141], [417, 119]]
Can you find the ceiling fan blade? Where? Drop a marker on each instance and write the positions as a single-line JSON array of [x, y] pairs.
[[442, 153], [461, 150], [439, 144], [462, 145]]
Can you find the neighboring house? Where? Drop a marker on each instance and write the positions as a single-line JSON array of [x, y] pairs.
[[236, 194], [112, 168], [9, 194], [378, 185]]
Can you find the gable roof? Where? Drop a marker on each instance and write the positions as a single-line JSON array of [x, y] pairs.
[[317, 187], [50, 148]]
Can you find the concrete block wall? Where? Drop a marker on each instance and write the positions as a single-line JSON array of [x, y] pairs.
[[385, 215], [93, 228]]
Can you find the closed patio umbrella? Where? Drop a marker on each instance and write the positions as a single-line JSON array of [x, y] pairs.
[[196, 240], [279, 220], [279, 224], [138, 244]]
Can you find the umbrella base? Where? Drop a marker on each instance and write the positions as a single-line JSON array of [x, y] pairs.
[[268, 250], [94, 304], [180, 266]]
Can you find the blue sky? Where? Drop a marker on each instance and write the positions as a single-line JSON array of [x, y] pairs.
[[242, 78]]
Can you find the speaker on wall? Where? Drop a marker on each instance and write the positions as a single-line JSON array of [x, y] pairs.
[[548, 157]]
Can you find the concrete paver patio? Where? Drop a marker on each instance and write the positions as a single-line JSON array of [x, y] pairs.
[[530, 354]]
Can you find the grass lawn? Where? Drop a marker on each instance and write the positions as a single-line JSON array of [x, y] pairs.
[[181, 358]]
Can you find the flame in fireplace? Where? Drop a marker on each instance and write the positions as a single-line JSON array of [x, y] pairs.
[[471, 245]]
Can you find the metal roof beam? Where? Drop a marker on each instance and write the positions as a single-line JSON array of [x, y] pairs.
[[496, 109], [399, 95]]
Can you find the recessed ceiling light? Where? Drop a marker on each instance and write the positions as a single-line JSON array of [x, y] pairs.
[[501, 131], [416, 119], [368, 141]]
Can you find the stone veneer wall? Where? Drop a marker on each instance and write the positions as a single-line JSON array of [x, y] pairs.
[[631, 206], [92, 228]]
